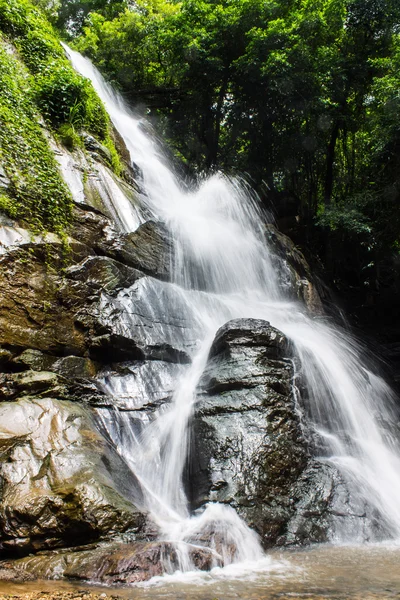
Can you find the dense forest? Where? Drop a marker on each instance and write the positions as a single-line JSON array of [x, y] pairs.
[[300, 97]]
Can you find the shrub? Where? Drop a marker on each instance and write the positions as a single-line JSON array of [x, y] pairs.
[[37, 192]]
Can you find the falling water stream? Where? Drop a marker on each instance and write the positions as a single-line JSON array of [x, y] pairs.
[[223, 270]]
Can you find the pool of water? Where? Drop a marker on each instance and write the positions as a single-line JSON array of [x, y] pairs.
[[362, 573]]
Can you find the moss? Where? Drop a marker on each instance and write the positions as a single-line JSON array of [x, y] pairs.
[[37, 192], [68, 136], [115, 159], [63, 96], [8, 206]]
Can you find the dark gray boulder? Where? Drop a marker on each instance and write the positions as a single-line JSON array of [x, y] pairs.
[[294, 272], [250, 448], [148, 249]]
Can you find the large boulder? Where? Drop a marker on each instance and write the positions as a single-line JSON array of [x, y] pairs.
[[156, 316], [39, 311], [83, 301], [250, 449], [61, 482]]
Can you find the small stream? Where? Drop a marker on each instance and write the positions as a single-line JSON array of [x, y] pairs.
[[336, 572]]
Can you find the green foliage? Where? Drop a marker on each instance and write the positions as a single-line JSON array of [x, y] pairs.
[[69, 137], [37, 192], [303, 96], [345, 219], [7, 205], [71, 14], [115, 159], [62, 95]]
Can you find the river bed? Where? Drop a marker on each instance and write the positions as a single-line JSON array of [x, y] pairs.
[[334, 572]]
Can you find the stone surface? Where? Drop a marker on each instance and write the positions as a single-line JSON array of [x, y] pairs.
[[111, 564], [140, 385], [148, 249], [97, 149], [34, 359], [153, 316], [52, 311], [61, 483], [249, 447], [97, 306], [294, 271], [325, 510]]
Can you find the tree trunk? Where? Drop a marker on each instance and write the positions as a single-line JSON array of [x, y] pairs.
[[330, 159]]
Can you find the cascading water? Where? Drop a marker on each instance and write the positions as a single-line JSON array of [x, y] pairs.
[[223, 270]]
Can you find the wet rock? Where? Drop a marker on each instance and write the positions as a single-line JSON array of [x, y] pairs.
[[155, 316], [248, 444], [32, 382], [7, 387], [35, 360], [118, 563], [80, 310], [326, 509], [61, 484], [67, 366], [32, 314], [49, 247], [251, 450], [5, 356], [43, 383], [97, 149], [75, 366], [140, 385], [54, 312], [10, 573], [294, 271], [148, 249]]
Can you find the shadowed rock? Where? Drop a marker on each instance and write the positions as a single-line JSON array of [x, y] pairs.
[[118, 563], [148, 249], [250, 449], [294, 272]]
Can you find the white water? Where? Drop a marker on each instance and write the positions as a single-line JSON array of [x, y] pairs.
[[222, 271]]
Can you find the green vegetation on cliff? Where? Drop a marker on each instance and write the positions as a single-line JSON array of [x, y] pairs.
[[36, 193], [37, 82]]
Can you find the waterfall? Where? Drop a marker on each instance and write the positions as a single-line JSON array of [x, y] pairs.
[[223, 270]]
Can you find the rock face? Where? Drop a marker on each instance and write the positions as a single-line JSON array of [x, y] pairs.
[[62, 482], [294, 271], [75, 311], [59, 482], [108, 564], [148, 248], [249, 446]]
